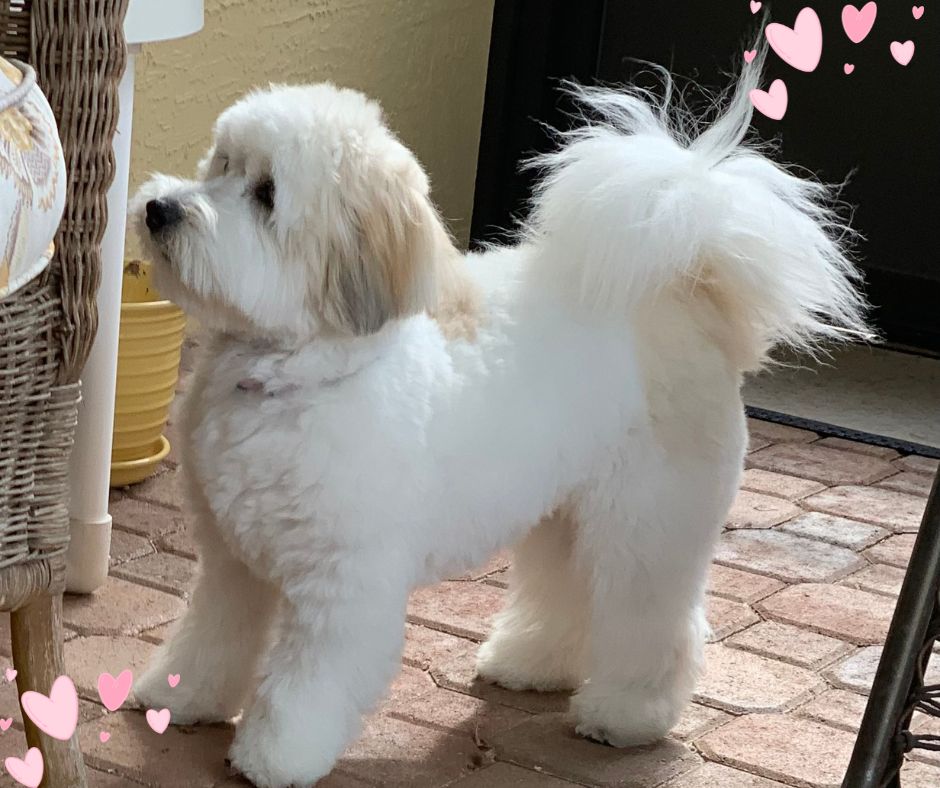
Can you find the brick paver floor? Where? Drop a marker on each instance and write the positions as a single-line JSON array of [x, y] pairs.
[[801, 593]]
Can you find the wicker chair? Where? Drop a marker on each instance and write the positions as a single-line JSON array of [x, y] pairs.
[[46, 330]]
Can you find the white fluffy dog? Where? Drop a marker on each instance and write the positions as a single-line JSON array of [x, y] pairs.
[[377, 411]]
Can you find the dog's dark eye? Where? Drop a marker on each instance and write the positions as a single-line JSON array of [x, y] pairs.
[[264, 194]]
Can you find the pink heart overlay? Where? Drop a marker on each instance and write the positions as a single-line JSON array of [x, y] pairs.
[[173, 679], [858, 23], [902, 52], [848, 68], [750, 55], [801, 45], [771, 102], [103, 737], [158, 720], [5, 724], [27, 771], [56, 714], [114, 691], [10, 674], [755, 6], [917, 11]]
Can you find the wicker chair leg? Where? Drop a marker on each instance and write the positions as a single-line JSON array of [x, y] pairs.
[[36, 631]]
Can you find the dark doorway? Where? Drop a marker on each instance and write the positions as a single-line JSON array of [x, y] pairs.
[[878, 125]]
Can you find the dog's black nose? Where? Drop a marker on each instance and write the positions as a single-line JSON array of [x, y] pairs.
[[162, 214]]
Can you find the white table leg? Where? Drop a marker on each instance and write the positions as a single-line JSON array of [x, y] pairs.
[[90, 469]]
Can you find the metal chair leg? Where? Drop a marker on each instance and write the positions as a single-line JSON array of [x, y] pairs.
[[898, 689]]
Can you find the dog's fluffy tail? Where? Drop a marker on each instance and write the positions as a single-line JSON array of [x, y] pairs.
[[641, 196]]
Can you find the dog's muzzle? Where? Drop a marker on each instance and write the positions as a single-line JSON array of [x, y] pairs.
[[162, 214]]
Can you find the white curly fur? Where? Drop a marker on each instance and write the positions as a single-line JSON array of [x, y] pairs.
[[591, 417]]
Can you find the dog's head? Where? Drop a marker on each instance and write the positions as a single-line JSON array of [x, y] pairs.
[[307, 216]]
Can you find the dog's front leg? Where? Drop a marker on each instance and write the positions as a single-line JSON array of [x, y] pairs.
[[215, 647], [340, 648]]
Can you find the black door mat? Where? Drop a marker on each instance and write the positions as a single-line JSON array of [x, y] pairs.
[[834, 431], [872, 394]]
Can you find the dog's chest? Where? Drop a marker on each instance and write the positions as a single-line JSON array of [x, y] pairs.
[[252, 456], [316, 450]]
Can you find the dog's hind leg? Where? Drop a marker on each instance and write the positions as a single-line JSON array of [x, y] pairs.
[[646, 539], [537, 641], [215, 647]]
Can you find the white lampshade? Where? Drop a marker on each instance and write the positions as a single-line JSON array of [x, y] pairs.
[[161, 20]]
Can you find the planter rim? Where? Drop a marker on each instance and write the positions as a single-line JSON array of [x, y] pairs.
[[162, 452], [149, 306]]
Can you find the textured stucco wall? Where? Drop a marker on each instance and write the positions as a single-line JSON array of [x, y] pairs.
[[424, 60]]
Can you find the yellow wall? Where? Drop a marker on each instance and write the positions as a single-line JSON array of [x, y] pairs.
[[424, 60]]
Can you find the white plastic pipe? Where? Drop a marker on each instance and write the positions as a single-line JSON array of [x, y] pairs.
[[90, 469]]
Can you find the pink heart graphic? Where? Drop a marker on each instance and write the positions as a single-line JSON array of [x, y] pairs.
[[750, 55], [27, 771], [173, 679], [801, 45], [848, 68], [10, 674], [114, 691], [755, 6], [56, 714], [5, 724], [103, 737], [902, 52], [858, 23], [158, 720], [771, 102], [917, 11]]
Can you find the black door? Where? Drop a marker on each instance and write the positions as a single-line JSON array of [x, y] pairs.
[[880, 124]]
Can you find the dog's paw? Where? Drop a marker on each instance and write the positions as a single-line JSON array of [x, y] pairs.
[[519, 681], [270, 761], [187, 706], [246, 760], [237, 773], [622, 718], [517, 669], [601, 735]]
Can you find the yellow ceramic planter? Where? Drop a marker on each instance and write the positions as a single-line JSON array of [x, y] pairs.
[[151, 339], [133, 471]]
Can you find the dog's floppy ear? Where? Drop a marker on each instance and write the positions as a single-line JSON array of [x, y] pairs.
[[381, 262]]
